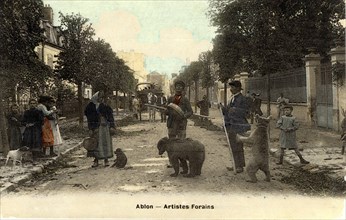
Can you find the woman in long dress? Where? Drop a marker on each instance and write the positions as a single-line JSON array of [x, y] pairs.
[[14, 120], [100, 122], [33, 121], [47, 132]]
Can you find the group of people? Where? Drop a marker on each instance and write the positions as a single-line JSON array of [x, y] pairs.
[[101, 122], [41, 130], [235, 120]]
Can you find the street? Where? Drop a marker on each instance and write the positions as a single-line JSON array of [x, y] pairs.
[[71, 178], [146, 171]]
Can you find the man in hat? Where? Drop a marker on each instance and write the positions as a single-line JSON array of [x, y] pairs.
[[204, 106], [236, 123], [177, 125]]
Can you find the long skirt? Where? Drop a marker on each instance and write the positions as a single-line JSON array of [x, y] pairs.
[[104, 148], [56, 132], [14, 137], [32, 138], [47, 134]]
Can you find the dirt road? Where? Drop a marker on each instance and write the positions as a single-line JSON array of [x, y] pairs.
[[146, 177]]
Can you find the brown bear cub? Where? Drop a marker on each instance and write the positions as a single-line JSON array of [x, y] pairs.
[[183, 149], [260, 149], [121, 159]]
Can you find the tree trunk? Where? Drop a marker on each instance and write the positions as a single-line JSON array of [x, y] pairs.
[[125, 103], [196, 95], [116, 102], [80, 103], [189, 93], [268, 94], [4, 145], [225, 94]]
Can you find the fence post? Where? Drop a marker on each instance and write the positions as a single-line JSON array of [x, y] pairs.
[[312, 68], [337, 55]]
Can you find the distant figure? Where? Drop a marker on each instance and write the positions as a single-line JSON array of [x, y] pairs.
[[135, 106], [281, 102], [162, 101], [152, 101], [255, 106], [343, 131], [204, 106]]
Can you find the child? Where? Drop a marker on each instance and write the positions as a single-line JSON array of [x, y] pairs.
[[288, 125]]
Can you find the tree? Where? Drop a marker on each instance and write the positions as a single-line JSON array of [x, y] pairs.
[[278, 33], [193, 73], [270, 36], [72, 63], [19, 65], [207, 76]]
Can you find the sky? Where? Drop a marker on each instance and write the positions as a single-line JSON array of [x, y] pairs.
[[169, 32]]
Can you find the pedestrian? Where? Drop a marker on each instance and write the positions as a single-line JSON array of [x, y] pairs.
[[177, 125], [255, 106], [152, 99], [288, 125], [54, 122], [47, 131], [101, 124], [32, 136], [235, 114], [204, 106], [343, 131], [135, 106], [162, 102], [280, 103], [14, 121]]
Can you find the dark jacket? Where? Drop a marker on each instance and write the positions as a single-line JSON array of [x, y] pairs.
[[185, 106], [93, 115], [236, 119]]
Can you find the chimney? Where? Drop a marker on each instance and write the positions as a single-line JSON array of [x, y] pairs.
[[48, 14]]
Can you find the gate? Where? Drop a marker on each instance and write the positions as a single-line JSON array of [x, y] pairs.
[[324, 97]]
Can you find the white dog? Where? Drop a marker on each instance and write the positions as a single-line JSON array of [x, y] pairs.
[[16, 155]]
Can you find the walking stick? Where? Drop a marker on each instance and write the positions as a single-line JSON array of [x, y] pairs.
[[229, 144]]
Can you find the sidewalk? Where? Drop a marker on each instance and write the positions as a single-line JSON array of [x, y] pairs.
[[319, 146], [12, 176]]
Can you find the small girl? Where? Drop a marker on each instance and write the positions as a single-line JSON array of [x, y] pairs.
[[288, 126]]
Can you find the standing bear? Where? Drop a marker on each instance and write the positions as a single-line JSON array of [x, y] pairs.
[[260, 149], [183, 149]]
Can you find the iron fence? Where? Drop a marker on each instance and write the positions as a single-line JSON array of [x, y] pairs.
[[291, 83]]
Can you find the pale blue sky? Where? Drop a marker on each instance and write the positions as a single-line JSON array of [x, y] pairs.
[[167, 32]]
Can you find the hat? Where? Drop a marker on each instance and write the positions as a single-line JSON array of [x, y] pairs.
[[235, 83], [288, 106], [179, 82]]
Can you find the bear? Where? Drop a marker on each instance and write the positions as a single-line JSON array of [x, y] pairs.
[[120, 160], [183, 149], [260, 149]]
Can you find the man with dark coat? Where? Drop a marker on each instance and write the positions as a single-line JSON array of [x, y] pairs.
[[177, 125], [204, 106], [236, 123]]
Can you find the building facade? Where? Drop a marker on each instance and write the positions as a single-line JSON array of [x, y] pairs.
[[135, 61]]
